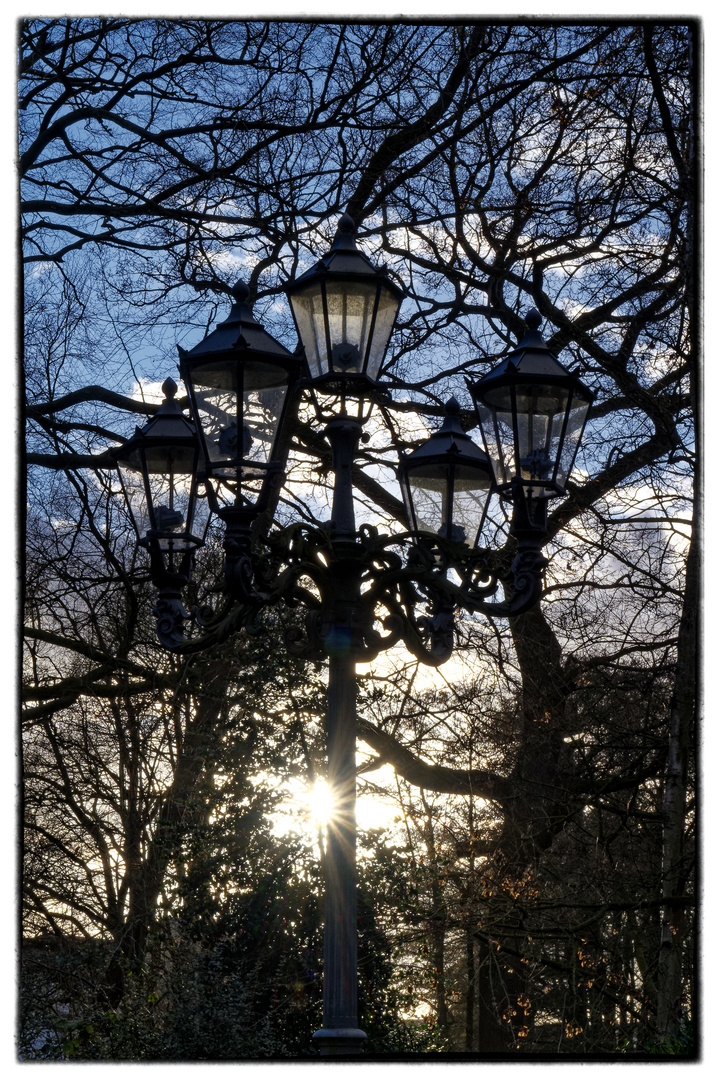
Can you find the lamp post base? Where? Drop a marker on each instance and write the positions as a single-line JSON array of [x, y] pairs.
[[336, 1042]]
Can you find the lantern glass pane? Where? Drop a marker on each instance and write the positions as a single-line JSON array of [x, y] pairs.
[[261, 413], [159, 459], [239, 407], [386, 314], [469, 505], [308, 308], [497, 433], [540, 413], [350, 307], [199, 512], [216, 409], [546, 399], [133, 485], [574, 430], [164, 503], [450, 500], [429, 497], [172, 506]]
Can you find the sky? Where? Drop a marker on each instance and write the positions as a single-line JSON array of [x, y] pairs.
[[9, 431]]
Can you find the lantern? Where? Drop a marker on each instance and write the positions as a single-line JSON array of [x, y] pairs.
[[158, 468], [238, 379], [532, 412], [344, 309], [446, 483]]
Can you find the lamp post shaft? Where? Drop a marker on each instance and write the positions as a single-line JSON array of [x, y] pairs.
[[343, 434], [340, 1033]]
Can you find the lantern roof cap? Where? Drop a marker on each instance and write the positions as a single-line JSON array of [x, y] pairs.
[[240, 330], [168, 426], [344, 259], [532, 356], [532, 338], [533, 361], [169, 422], [450, 441]]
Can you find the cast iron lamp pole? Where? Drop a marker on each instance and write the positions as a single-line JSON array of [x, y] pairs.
[[340, 1033], [365, 597]]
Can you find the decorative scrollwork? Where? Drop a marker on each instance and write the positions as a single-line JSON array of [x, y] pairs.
[[238, 576], [365, 595], [525, 588], [310, 644], [527, 568], [171, 617], [376, 642], [201, 615]]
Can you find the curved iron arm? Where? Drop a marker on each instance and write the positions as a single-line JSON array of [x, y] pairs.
[[528, 525], [345, 585]]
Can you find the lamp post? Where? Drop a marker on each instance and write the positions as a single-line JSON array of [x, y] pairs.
[[366, 595]]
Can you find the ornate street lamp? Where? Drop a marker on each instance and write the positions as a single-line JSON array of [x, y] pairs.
[[360, 594], [239, 380], [159, 472]]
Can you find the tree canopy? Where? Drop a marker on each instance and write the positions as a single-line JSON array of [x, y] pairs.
[[536, 888]]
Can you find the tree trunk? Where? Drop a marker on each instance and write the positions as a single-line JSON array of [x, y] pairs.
[[675, 861], [533, 815], [470, 990], [175, 818], [437, 929]]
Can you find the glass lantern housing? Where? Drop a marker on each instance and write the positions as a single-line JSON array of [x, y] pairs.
[[532, 412], [239, 380], [158, 469], [344, 309], [446, 483]]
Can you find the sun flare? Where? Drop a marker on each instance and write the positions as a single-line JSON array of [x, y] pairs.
[[321, 802]]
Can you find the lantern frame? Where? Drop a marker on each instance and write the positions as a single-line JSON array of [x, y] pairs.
[[237, 359], [324, 296], [452, 451], [166, 445], [531, 373]]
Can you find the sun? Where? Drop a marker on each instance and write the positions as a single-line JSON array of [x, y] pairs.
[[321, 803]]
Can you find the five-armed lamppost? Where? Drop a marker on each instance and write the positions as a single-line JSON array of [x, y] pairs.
[[362, 594]]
